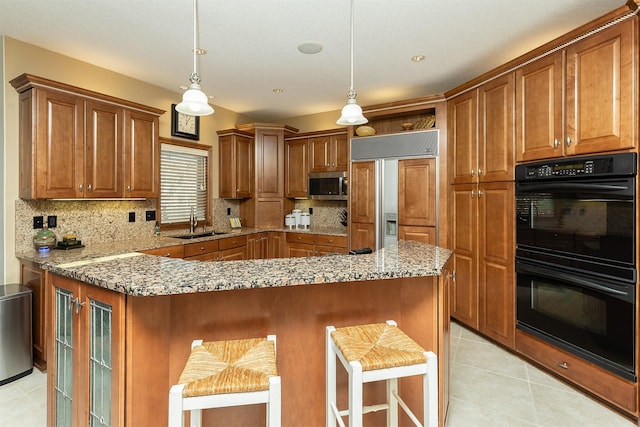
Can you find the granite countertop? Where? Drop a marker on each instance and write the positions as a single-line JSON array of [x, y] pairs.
[[120, 267]]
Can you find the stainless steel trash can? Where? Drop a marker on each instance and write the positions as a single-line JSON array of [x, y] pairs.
[[16, 353]]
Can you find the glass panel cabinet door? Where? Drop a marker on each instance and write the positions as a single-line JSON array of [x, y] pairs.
[[100, 366], [64, 345]]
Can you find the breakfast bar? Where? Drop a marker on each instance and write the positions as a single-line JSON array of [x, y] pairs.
[[158, 305]]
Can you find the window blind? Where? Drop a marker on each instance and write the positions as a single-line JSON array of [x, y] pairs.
[[183, 183]]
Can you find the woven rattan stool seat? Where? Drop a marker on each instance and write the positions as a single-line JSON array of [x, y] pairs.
[[378, 346], [234, 366]]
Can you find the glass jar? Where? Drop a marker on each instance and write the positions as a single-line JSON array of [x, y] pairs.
[[44, 238]]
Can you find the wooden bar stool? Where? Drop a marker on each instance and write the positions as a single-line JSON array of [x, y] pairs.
[[378, 352], [227, 373]]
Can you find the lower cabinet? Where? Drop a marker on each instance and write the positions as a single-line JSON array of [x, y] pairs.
[[275, 242], [202, 251], [32, 276], [86, 353], [233, 248], [304, 244], [483, 291], [257, 246]]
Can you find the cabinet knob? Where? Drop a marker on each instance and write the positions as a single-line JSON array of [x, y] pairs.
[[473, 194], [479, 172], [473, 173], [479, 193], [80, 188], [568, 141], [563, 365], [89, 188], [555, 143], [128, 188], [202, 248]]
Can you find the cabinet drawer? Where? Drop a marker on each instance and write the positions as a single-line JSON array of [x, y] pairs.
[[608, 386], [232, 242], [330, 240], [168, 251], [300, 238], [199, 248]]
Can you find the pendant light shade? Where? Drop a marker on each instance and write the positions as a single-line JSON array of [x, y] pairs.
[[194, 100], [351, 112]]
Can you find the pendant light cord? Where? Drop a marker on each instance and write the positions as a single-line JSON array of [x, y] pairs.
[[351, 46]]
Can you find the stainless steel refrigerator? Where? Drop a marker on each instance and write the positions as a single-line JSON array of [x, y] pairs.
[[386, 151]]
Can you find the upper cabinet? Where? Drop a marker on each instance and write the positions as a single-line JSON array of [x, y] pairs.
[[79, 144], [579, 100], [296, 174], [236, 164], [329, 153], [481, 133]]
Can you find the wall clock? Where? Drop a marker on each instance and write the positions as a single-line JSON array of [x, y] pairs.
[[184, 125]]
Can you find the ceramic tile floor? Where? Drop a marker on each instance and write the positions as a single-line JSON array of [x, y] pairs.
[[489, 387]]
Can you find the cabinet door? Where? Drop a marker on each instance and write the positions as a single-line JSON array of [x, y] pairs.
[[418, 234], [226, 167], [496, 130], [243, 166], [233, 254], [296, 176], [319, 154], [539, 130], [496, 243], [141, 155], [257, 246], [362, 190], [269, 163], [362, 235], [417, 192], [86, 342], [464, 296], [32, 276], [340, 145], [59, 164], [601, 91], [463, 128], [295, 250], [275, 241], [103, 150]]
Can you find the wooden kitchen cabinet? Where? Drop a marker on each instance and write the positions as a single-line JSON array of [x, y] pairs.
[[33, 277], [329, 153], [305, 244], [233, 248], [481, 128], [202, 251], [235, 164], [275, 244], [257, 246], [141, 155], [297, 169], [483, 291], [362, 213], [419, 234], [591, 85], [87, 353], [76, 143], [417, 192]]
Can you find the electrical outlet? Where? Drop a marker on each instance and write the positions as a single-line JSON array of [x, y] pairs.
[[310, 211], [228, 211], [132, 217], [150, 215], [52, 221], [38, 221]]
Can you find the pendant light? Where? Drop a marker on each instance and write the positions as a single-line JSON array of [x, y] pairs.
[[194, 101], [351, 112]]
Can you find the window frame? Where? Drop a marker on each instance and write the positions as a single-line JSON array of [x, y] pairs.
[[208, 216]]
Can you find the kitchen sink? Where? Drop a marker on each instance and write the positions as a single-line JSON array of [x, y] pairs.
[[196, 236]]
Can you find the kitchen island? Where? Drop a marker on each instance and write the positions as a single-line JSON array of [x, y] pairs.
[[156, 306]]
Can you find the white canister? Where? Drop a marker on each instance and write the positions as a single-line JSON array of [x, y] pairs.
[[305, 220], [296, 214], [290, 221]]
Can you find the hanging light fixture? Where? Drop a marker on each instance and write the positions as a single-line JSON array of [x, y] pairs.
[[194, 101], [351, 112]]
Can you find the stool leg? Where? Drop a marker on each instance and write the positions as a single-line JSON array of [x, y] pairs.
[[274, 403], [330, 379], [392, 412], [430, 390], [176, 415], [196, 418], [355, 394]]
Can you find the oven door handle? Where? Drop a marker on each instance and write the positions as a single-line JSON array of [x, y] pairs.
[[569, 279], [526, 188]]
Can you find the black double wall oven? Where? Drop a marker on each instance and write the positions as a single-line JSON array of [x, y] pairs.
[[575, 256]]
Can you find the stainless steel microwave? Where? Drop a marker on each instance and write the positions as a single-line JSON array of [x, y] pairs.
[[328, 185]]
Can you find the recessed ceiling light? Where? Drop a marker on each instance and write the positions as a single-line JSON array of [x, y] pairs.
[[418, 58], [278, 90], [310, 47]]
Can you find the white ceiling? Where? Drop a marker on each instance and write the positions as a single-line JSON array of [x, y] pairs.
[[252, 44]]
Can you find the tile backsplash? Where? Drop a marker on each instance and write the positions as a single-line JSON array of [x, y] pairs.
[[96, 221]]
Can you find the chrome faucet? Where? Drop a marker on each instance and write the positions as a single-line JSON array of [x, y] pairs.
[[193, 221]]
